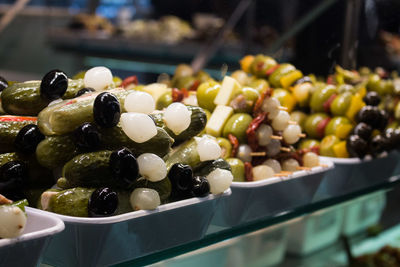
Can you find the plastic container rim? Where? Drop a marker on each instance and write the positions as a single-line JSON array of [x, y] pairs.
[[353, 160]]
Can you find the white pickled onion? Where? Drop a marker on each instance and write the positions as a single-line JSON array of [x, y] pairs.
[[152, 167], [98, 78], [219, 180], [144, 199], [290, 165], [177, 117], [141, 102], [310, 160], [292, 133], [208, 148], [13, 221], [138, 127], [262, 172], [281, 120]]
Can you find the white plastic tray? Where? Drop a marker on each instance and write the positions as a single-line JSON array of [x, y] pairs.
[[27, 249], [253, 200], [111, 240], [354, 174]]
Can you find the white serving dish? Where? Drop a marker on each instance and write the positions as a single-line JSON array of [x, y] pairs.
[[254, 200], [363, 212], [111, 240], [315, 231], [354, 174], [27, 249]]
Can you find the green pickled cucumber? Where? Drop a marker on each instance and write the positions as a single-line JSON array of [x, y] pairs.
[[73, 87], [185, 154], [9, 128], [206, 167], [55, 151], [163, 187], [197, 124]]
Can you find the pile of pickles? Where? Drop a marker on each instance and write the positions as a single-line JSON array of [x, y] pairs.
[[95, 146]]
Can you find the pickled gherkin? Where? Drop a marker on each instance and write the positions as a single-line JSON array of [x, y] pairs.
[[9, 128]]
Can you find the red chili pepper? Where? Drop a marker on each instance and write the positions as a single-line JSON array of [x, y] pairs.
[[17, 118], [129, 80], [248, 171], [260, 100], [251, 130], [271, 70], [328, 103], [329, 80], [235, 144], [194, 86], [177, 95]]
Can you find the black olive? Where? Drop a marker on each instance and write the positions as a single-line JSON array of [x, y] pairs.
[[84, 91], [372, 98], [378, 145], [106, 110], [393, 138], [54, 85], [384, 119], [181, 177], [124, 166], [356, 146], [363, 130], [13, 176], [27, 139], [371, 116], [3, 84], [103, 202], [201, 187], [87, 136]]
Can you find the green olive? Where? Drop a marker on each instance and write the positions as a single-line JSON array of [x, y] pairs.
[[237, 169], [250, 95], [397, 111], [285, 98], [364, 71], [320, 96], [261, 64], [346, 88], [309, 143], [336, 124], [226, 147], [79, 75], [203, 76], [275, 78], [241, 77], [183, 70], [387, 87], [164, 100], [393, 125], [341, 104], [183, 82], [373, 83], [237, 125], [259, 84], [206, 93], [299, 117], [311, 124], [326, 147], [117, 81]]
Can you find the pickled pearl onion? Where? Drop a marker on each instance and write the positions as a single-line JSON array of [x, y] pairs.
[[13, 221], [141, 102], [152, 167], [219, 180], [177, 117], [208, 149], [144, 199], [138, 127], [98, 78]]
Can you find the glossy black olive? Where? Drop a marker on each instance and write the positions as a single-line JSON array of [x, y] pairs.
[[3, 84], [363, 130], [103, 202], [54, 85], [27, 139], [356, 146], [372, 98], [13, 176], [378, 144], [371, 116], [106, 110], [87, 136], [181, 177], [201, 187], [384, 119], [124, 166], [393, 138], [84, 91]]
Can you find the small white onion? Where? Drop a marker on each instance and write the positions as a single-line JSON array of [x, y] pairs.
[[13, 221], [271, 106], [281, 121], [152, 167], [208, 149], [264, 133], [138, 126], [243, 153], [310, 160], [262, 172], [290, 165], [141, 102], [273, 148], [219, 180], [291, 134], [98, 78], [274, 164], [177, 117], [144, 199]]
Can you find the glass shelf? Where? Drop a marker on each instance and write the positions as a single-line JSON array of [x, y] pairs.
[[216, 234]]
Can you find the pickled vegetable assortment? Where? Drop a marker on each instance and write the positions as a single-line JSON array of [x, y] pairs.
[[108, 146]]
